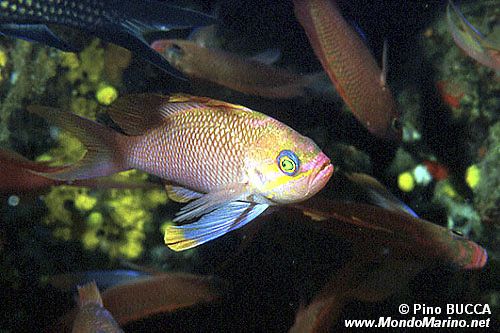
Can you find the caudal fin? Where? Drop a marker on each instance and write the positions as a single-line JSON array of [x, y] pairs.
[[105, 147]]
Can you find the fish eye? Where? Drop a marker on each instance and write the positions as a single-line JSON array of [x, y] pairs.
[[175, 51], [288, 162], [396, 124]]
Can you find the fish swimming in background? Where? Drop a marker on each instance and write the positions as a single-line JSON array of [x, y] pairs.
[[122, 22], [232, 163], [243, 74], [470, 40], [351, 67], [143, 297], [399, 231], [92, 315]]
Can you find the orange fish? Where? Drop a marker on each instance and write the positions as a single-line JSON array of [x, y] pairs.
[[232, 163], [350, 66], [246, 75]]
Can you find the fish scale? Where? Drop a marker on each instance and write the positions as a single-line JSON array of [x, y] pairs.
[[208, 143], [79, 13]]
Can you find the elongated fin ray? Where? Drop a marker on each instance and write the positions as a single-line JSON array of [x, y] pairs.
[[211, 201], [89, 294], [222, 220], [383, 74]]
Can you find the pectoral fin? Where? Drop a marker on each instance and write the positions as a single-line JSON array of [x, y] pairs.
[[218, 222], [212, 201]]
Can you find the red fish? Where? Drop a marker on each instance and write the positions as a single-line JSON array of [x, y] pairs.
[[390, 248], [350, 66], [400, 231]]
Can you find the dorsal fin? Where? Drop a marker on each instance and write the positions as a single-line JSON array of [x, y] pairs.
[[205, 101], [89, 294], [137, 113]]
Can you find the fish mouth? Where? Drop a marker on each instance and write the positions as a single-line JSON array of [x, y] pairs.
[[325, 171], [479, 258]]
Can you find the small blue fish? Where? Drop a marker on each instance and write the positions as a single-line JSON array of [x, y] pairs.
[[122, 22]]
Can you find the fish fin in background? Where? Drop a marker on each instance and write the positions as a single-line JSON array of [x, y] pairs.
[[181, 194], [471, 41], [39, 33], [218, 222], [211, 201], [103, 279], [162, 293], [103, 145], [89, 294], [383, 74], [92, 316], [205, 36], [380, 195], [267, 57], [319, 85]]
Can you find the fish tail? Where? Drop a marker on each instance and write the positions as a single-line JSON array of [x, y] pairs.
[[105, 148], [89, 294]]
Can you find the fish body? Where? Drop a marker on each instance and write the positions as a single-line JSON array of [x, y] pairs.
[[470, 40], [409, 236], [350, 66], [92, 316], [122, 22], [232, 163], [243, 74]]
